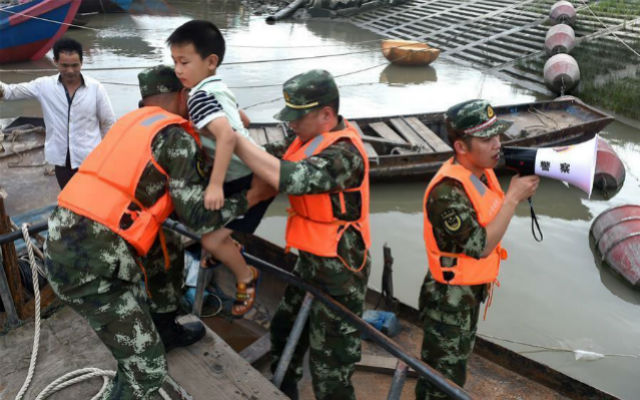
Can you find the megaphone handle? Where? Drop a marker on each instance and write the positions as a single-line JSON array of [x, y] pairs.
[[534, 223]]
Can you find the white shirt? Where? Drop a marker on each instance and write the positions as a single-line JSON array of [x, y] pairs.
[[211, 99], [79, 127]]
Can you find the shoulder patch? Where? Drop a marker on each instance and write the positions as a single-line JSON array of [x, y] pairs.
[[451, 219]]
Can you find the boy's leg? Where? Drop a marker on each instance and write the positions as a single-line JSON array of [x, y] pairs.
[[220, 244]]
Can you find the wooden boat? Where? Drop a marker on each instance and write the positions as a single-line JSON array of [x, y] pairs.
[[408, 52], [494, 371], [413, 146], [29, 30], [610, 172], [615, 236], [104, 6]]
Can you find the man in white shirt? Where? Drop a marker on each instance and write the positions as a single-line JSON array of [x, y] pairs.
[[77, 112]]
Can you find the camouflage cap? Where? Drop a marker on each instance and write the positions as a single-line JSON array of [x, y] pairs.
[[306, 92], [158, 79], [475, 118]]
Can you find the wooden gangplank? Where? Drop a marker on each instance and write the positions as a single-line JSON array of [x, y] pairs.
[[205, 370]]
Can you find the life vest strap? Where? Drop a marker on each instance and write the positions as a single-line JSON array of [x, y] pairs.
[[490, 298]]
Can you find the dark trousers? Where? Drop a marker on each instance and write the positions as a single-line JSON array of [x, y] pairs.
[[64, 174]]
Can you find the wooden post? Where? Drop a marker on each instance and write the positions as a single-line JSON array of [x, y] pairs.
[[10, 260]]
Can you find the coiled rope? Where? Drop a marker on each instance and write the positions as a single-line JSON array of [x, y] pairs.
[[72, 377]]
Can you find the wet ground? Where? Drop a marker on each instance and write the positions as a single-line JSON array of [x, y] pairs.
[[552, 294]]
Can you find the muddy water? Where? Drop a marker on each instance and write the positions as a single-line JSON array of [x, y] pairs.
[[552, 294]]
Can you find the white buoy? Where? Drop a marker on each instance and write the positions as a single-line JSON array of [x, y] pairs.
[[562, 12], [560, 39], [561, 73]]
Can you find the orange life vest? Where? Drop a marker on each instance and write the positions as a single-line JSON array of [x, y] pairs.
[[311, 225], [486, 201], [104, 186]]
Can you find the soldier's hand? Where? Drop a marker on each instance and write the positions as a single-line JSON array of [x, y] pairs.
[[213, 197], [522, 187], [259, 191]]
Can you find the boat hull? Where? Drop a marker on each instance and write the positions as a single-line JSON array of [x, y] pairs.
[[615, 236], [104, 6], [408, 52], [29, 30]]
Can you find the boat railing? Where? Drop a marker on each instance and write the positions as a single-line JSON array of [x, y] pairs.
[[405, 361]]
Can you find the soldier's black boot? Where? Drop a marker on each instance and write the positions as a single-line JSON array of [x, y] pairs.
[[290, 389], [174, 334]]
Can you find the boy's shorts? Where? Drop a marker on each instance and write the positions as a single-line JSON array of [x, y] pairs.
[[249, 221]]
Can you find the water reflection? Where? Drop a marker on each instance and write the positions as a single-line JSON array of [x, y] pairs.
[[152, 7], [397, 74]]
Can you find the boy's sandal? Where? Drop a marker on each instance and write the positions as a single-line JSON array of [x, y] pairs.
[[244, 298]]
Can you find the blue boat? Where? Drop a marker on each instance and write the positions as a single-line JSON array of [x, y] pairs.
[[29, 30], [104, 6]]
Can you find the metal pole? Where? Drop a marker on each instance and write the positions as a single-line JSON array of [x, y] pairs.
[[432, 375], [33, 229], [292, 341], [399, 376]]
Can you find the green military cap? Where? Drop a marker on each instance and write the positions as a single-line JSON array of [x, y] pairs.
[[475, 118], [157, 80], [306, 92]]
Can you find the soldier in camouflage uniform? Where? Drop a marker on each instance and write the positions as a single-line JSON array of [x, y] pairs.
[[449, 312], [312, 100], [96, 272]]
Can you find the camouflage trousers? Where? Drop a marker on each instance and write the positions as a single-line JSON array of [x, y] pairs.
[[449, 316], [334, 344], [119, 311]]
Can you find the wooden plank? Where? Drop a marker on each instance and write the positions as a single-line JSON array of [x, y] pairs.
[[381, 364], [408, 133], [434, 141], [368, 147], [386, 132], [10, 263], [274, 133], [257, 350], [258, 135], [210, 366]]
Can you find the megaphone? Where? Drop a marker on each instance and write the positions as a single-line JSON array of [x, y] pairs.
[[574, 164]]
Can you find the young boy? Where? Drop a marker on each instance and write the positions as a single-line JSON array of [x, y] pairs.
[[197, 48]]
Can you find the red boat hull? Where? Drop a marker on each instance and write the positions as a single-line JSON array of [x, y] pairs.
[[616, 238]]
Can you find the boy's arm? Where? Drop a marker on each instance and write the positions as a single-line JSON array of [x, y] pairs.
[[225, 144]]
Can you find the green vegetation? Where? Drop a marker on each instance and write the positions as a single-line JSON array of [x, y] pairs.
[[621, 8]]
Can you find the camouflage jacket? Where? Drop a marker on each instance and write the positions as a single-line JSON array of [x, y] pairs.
[[337, 167], [75, 240]]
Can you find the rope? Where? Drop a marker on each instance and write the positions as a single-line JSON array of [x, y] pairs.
[[36, 293], [72, 377], [226, 63], [559, 349], [46, 20]]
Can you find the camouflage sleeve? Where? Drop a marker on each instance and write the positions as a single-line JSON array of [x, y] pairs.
[[338, 167], [279, 147], [177, 152], [454, 220]]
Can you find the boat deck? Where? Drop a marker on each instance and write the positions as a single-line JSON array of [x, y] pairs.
[[68, 343]]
